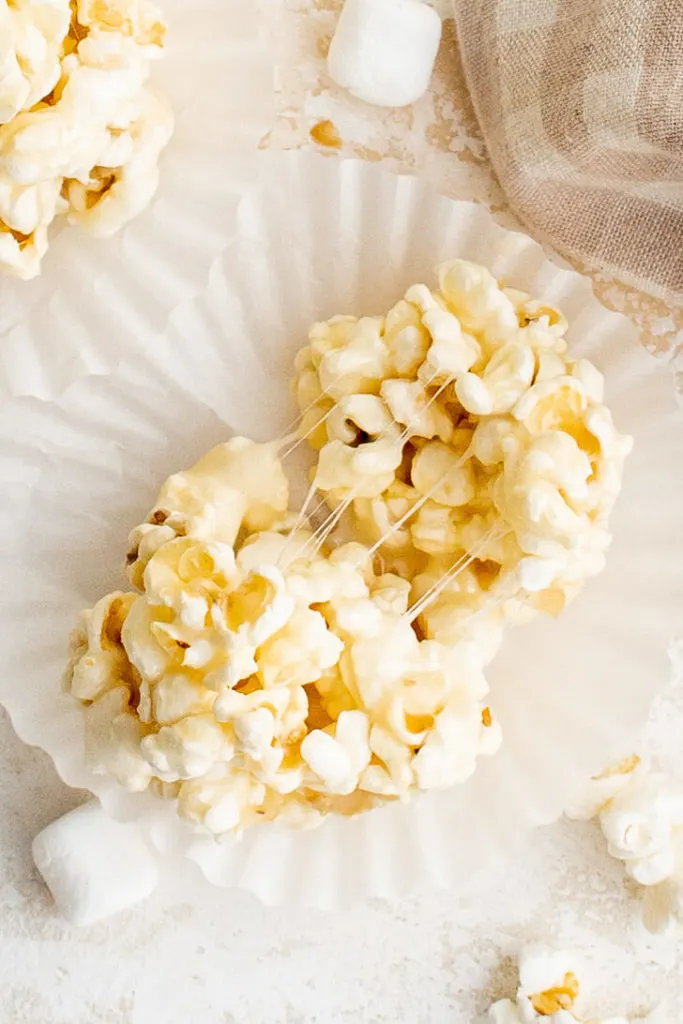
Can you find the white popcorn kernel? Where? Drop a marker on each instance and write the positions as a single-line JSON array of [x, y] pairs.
[[360, 363], [300, 653], [367, 470], [601, 789], [547, 992], [223, 801], [391, 593], [122, 184], [452, 352], [415, 409], [187, 749], [384, 51], [337, 760], [420, 295], [536, 574], [406, 338], [505, 379], [94, 866], [439, 471], [356, 415], [493, 439], [113, 738], [639, 825], [254, 732], [178, 695], [542, 969], [475, 297]]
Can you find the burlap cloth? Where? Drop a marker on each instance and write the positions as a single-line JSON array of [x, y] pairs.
[[581, 106]]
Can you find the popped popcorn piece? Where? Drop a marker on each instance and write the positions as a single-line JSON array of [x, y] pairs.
[[640, 812], [338, 756], [440, 472], [113, 738], [81, 132], [592, 798], [237, 484], [411, 406], [125, 177], [548, 991], [187, 749], [98, 659], [31, 36], [641, 825]]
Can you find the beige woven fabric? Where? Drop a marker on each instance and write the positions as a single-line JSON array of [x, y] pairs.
[[581, 106]]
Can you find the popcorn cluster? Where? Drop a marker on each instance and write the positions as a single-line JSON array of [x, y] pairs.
[[255, 675], [459, 432], [81, 129], [548, 990], [641, 815], [263, 671]]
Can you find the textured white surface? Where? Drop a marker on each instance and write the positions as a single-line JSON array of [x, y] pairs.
[[195, 956], [428, 960]]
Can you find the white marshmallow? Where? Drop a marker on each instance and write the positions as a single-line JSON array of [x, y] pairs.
[[94, 866], [383, 51]]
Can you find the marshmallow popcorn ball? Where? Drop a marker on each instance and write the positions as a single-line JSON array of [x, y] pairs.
[[262, 669], [81, 129]]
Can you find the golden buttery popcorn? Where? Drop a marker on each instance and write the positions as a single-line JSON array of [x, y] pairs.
[[81, 129], [257, 674], [462, 438]]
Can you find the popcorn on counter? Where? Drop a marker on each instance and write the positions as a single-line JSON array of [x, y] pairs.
[[640, 812], [547, 993]]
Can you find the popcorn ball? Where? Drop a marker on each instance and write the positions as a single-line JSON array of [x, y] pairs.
[[81, 129], [257, 674], [467, 446]]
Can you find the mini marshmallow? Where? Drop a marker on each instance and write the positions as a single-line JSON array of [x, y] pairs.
[[94, 866], [383, 51]]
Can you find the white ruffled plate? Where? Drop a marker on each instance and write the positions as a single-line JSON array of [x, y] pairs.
[[99, 300], [322, 236]]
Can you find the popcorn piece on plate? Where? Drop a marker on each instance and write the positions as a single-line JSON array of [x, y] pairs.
[[384, 51]]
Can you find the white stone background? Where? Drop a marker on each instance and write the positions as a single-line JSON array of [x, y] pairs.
[[191, 955]]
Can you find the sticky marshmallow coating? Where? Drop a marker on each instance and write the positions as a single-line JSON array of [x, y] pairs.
[[258, 675], [459, 431], [81, 129]]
